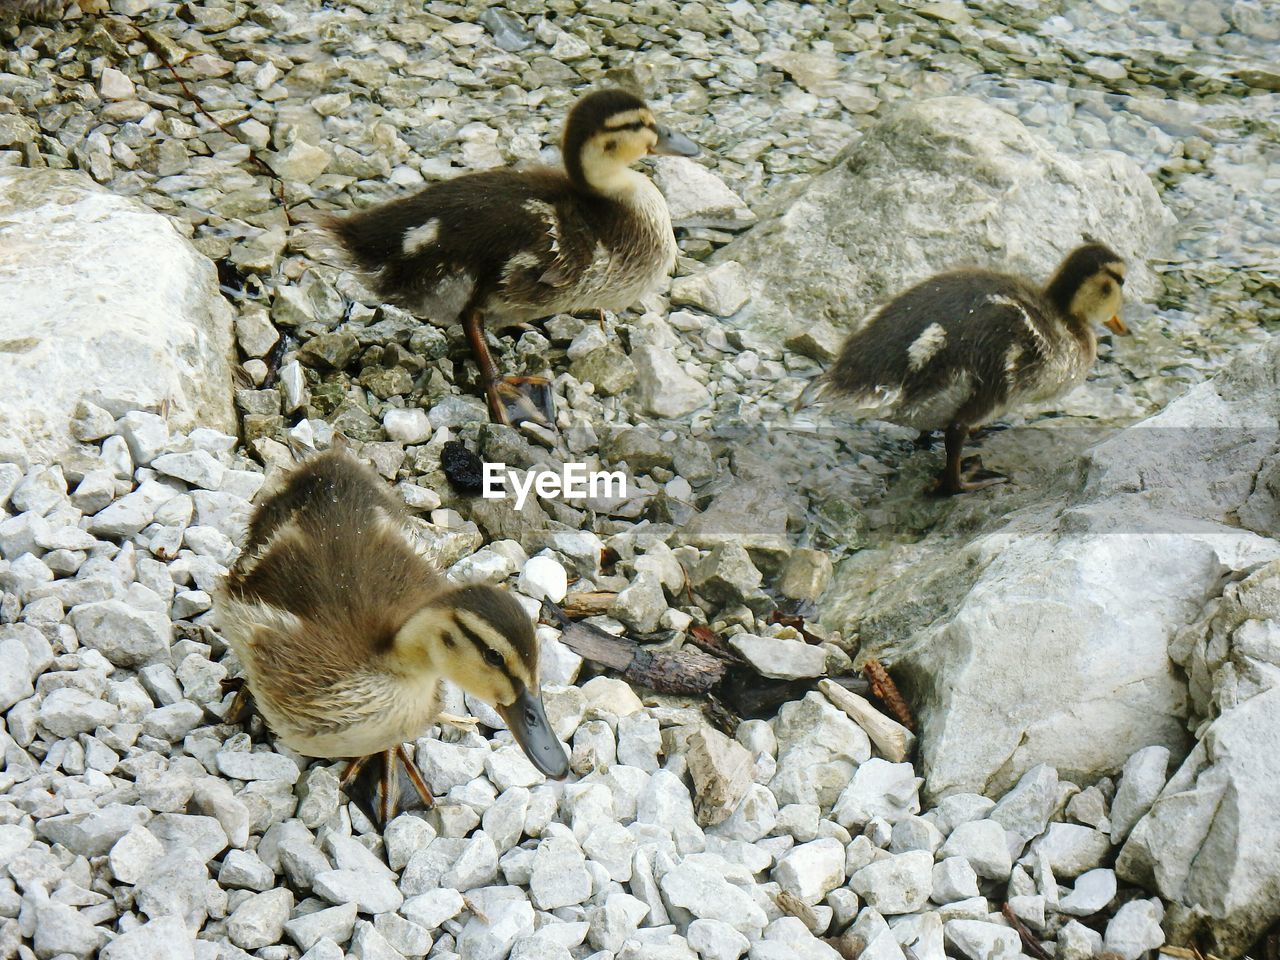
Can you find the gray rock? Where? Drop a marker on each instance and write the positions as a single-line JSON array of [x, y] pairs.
[[1135, 929], [430, 910], [66, 712], [982, 843], [954, 879], [726, 575], [404, 936], [259, 921], [165, 938], [177, 885], [507, 917], [560, 877], [721, 290], [92, 834], [811, 870], [818, 749], [1078, 942], [781, 658], [716, 940], [696, 197], [1227, 894], [662, 387], [126, 636], [639, 741], [196, 467], [1093, 890], [245, 870], [707, 895], [60, 929], [134, 853], [980, 940], [878, 789], [615, 921], [369, 892], [1070, 849], [257, 765], [139, 340], [333, 923], [1141, 781], [641, 604], [898, 884], [1058, 719]]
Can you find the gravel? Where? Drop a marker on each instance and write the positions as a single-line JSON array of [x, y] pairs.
[[676, 840]]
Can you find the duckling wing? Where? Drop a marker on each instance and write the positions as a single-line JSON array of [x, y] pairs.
[[328, 574], [938, 351], [525, 234]]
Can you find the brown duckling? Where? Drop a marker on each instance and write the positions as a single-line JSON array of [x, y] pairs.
[[345, 631], [958, 349], [509, 246]]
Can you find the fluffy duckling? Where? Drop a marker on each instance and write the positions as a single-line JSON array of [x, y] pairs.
[[958, 349], [345, 631], [511, 246]]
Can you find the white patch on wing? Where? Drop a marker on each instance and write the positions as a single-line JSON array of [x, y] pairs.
[[418, 238], [547, 213], [926, 346], [1011, 358], [1036, 332], [521, 261]]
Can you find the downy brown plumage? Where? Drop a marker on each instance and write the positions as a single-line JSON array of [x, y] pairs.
[[345, 631], [510, 246], [958, 349]]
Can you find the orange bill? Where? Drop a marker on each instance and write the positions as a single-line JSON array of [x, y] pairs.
[[1116, 325]]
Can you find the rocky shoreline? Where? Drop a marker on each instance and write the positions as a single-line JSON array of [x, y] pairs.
[[1116, 799]]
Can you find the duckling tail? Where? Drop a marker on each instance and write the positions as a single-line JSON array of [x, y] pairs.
[[810, 394]]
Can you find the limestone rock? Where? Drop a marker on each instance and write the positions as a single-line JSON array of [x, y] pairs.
[[696, 197], [974, 183], [139, 339], [1117, 562]]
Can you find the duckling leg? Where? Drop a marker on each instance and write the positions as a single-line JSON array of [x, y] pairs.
[[952, 480], [511, 400], [415, 777]]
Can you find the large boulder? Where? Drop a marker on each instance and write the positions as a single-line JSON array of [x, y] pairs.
[[942, 183], [1208, 845], [1046, 640], [103, 300]]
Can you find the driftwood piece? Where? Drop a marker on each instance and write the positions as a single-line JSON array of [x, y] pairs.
[[886, 691], [595, 603], [686, 671], [894, 741]]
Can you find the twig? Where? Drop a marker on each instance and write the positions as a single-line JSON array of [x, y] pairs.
[[158, 50], [1029, 943], [886, 690]]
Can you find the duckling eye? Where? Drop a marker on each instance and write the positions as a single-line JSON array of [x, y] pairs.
[[494, 658]]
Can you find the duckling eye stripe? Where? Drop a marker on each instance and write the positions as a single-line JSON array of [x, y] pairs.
[[473, 632], [1114, 276], [635, 125]]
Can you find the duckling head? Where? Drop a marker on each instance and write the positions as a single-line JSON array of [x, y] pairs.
[[481, 638], [606, 133], [1089, 286]]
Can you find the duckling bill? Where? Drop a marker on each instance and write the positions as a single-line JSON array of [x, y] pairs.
[[510, 246], [346, 633], [960, 348]]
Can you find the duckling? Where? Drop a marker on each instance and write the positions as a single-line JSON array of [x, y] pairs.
[[958, 349], [510, 246], [345, 631]]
